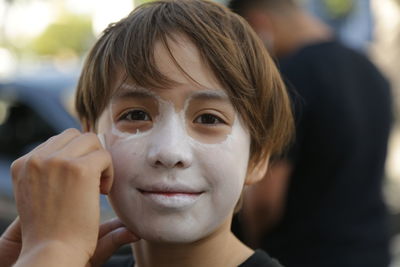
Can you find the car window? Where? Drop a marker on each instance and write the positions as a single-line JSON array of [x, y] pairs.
[[21, 129]]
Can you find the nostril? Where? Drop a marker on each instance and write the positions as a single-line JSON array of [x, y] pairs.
[[158, 163], [169, 158], [169, 164]]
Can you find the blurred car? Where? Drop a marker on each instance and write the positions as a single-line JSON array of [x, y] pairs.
[[32, 109]]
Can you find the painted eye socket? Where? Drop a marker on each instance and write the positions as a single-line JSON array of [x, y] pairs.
[[135, 115], [209, 119]]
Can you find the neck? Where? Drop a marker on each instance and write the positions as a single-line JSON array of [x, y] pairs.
[[221, 248], [298, 30]]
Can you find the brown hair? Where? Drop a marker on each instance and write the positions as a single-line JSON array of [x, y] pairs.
[[229, 47]]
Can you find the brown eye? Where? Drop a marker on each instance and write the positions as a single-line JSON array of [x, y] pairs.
[[209, 119], [135, 115]]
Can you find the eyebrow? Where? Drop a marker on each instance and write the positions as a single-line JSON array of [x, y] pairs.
[[131, 91], [210, 95]]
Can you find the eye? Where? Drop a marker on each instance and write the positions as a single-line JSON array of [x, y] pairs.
[[135, 115], [209, 119]]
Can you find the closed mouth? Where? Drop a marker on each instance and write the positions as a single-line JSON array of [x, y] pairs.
[[170, 193], [170, 197]]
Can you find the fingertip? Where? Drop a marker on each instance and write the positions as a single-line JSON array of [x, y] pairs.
[[105, 185], [130, 235], [120, 237], [110, 242], [107, 175]]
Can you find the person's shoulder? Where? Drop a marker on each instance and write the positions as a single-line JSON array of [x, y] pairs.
[[322, 51], [260, 259], [335, 51]]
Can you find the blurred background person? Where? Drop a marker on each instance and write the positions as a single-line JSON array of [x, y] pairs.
[[352, 20], [322, 205]]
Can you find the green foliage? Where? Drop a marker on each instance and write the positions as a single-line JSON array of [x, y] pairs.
[[139, 2], [70, 32], [339, 8]]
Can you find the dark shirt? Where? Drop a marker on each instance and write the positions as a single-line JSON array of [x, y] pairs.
[[258, 259], [334, 213]]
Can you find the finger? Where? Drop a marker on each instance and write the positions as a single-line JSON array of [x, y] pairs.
[[108, 244], [57, 142], [13, 232], [52, 144], [11, 244], [109, 226], [101, 159], [81, 145]]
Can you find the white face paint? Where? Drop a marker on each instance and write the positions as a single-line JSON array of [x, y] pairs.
[[180, 155]]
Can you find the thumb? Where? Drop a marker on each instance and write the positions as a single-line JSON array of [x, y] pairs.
[[109, 243], [13, 232], [10, 244]]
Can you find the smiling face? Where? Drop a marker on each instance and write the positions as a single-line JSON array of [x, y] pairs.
[[180, 154]]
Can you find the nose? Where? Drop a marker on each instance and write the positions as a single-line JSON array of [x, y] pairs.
[[169, 147]]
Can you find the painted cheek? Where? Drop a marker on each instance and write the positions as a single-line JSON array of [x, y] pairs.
[[202, 133], [225, 166], [128, 164], [228, 157]]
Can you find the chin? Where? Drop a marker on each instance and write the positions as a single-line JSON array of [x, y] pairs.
[[171, 238], [179, 233]]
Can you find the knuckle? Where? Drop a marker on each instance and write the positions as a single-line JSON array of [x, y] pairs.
[[90, 135], [34, 162], [51, 139], [55, 162], [15, 168], [72, 131], [92, 139], [106, 155], [30, 163], [16, 164], [58, 162], [72, 168]]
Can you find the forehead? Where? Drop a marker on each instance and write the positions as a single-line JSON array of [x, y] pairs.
[[180, 61], [178, 58]]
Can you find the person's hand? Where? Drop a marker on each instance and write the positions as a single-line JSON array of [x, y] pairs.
[[10, 244], [56, 187], [112, 235]]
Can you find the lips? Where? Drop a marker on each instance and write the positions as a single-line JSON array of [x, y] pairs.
[[169, 193], [177, 197], [169, 190]]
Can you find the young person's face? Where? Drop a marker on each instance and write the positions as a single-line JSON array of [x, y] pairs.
[[180, 154]]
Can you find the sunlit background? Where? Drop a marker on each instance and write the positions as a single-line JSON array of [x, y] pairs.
[[49, 38]]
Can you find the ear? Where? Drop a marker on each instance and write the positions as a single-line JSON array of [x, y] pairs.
[[257, 173]]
